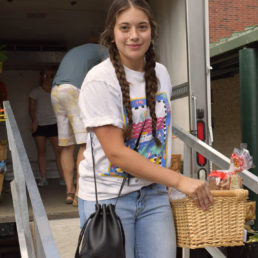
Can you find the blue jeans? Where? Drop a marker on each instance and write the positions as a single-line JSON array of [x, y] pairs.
[[147, 220]]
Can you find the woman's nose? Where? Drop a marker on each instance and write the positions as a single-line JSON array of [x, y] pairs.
[[133, 33]]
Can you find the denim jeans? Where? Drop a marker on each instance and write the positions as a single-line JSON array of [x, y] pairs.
[[147, 220]]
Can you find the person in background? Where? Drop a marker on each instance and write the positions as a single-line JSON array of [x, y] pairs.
[[123, 99], [65, 92], [44, 124]]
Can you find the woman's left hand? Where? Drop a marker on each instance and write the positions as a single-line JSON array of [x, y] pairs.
[[198, 190]]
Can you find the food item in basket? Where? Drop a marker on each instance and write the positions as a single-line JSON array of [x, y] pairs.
[[236, 182], [219, 180], [240, 160], [223, 180], [229, 179]]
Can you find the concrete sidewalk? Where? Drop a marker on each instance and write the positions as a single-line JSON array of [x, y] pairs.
[[53, 197], [66, 233], [63, 218]]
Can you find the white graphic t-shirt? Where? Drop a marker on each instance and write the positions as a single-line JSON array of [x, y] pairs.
[[101, 104], [44, 110]]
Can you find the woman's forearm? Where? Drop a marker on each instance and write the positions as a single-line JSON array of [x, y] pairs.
[[140, 167]]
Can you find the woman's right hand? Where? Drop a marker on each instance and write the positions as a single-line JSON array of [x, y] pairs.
[[34, 126], [196, 189]]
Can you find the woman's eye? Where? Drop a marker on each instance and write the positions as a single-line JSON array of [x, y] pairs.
[[124, 28], [143, 27]]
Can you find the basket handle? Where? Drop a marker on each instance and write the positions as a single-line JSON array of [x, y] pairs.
[[240, 194]]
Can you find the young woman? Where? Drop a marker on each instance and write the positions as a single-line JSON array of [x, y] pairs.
[[44, 124], [123, 98]]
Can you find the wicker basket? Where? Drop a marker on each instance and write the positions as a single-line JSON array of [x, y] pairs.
[[221, 225]]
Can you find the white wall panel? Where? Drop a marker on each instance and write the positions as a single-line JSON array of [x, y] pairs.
[[172, 49]]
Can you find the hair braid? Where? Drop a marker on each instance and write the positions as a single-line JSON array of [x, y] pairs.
[[125, 88], [151, 88]]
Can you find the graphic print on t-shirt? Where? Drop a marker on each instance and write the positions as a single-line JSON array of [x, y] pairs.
[[143, 125]]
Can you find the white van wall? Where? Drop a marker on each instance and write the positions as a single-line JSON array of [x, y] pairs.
[[171, 19]]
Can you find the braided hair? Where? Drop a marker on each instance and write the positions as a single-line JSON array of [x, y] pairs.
[[151, 80]]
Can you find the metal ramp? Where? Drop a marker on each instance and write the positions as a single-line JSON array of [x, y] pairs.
[[37, 238]]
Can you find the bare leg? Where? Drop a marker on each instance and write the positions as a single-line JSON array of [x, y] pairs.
[[57, 150], [79, 159], [41, 149], [67, 163]]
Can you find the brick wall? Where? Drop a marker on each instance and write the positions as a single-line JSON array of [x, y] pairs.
[[228, 16], [226, 115]]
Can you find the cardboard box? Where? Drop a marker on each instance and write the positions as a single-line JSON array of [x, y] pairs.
[[175, 163], [3, 151], [250, 210], [1, 182]]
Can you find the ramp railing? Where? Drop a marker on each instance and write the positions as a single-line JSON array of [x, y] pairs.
[[193, 143], [42, 244]]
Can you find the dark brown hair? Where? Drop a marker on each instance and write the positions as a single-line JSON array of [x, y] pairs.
[[43, 72], [151, 80]]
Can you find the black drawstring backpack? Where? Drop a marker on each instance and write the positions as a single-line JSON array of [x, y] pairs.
[[102, 235]]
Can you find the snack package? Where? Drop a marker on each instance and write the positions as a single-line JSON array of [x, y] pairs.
[[219, 180], [240, 160], [229, 179]]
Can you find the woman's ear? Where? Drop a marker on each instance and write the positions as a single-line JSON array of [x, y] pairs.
[[112, 38]]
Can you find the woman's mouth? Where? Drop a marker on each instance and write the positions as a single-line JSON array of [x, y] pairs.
[[134, 46]]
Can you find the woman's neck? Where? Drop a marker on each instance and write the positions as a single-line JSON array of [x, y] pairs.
[[46, 87], [135, 65]]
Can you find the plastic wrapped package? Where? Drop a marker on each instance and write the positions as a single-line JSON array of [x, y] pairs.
[[229, 179], [174, 194]]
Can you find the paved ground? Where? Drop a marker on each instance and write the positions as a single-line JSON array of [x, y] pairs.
[[53, 197], [66, 233], [63, 218]]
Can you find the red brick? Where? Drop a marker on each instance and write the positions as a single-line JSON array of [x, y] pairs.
[[226, 17]]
